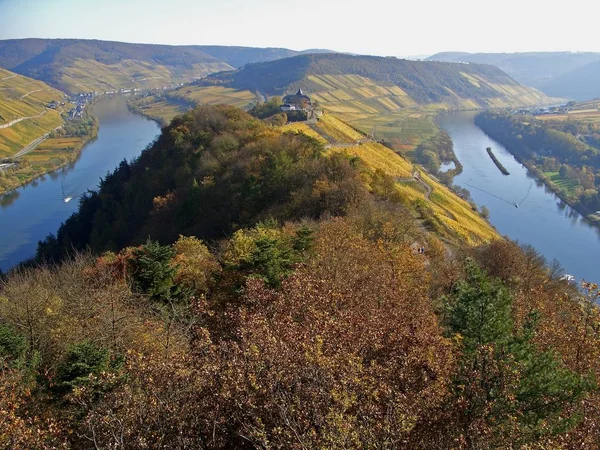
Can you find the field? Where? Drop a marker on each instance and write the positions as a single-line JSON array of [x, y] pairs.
[[385, 112], [164, 107], [160, 110], [585, 112], [301, 127], [564, 184]]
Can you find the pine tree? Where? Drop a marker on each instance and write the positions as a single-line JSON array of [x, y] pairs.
[[508, 388], [152, 271]]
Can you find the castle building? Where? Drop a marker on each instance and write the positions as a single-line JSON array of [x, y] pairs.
[[298, 101]]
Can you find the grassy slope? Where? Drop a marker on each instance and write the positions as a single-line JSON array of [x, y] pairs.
[[92, 76], [343, 78], [459, 221], [16, 104]]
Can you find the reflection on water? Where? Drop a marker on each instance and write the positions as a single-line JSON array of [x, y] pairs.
[[542, 220], [30, 213], [9, 198]]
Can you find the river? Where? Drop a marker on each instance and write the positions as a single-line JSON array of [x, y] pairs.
[[28, 214], [541, 220]]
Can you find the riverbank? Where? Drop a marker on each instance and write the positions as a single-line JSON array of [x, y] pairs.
[[542, 220], [560, 193], [51, 154], [31, 212], [508, 131]]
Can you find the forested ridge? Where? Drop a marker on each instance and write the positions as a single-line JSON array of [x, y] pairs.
[[241, 287]]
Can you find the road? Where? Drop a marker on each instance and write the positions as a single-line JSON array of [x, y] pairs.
[[8, 78], [32, 145]]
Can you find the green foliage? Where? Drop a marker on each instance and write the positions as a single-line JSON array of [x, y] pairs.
[[12, 345], [81, 360], [547, 147], [266, 253], [436, 150], [504, 379], [84, 126], [303, 240], [263, 110], [152, 272]]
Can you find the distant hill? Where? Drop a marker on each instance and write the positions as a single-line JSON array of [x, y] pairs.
[[372, 83], [547, 71], [79, 65], [240, 56], [76, 65], [580, 84]]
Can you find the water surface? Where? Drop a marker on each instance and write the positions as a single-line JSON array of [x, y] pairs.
[[30, 213], [541, 220]]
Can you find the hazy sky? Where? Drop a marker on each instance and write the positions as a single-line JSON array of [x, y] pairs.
[[381, 27]]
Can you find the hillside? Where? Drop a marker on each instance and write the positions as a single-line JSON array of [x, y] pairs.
[[283, 294], [580, 84], [240, 56], [34, 134], [389, 98], [24, 115], [76, 65], [404, 82], [547, 71]]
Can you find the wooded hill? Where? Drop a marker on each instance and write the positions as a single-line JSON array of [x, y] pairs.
[[79, 65], [301, 315], [404, 82], [240, 56], [579, 84], [558, 74]]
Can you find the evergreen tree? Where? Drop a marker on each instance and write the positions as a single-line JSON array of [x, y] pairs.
[[509, 389], [152, 271]]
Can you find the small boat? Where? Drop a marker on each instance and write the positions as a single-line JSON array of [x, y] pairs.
[[67, 199], [516, 205]]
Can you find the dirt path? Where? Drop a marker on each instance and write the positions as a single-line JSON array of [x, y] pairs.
[[21, 119], [417, 179], [8, 78], [31, 92]]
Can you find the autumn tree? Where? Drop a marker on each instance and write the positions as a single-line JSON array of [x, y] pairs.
[[505, 386]]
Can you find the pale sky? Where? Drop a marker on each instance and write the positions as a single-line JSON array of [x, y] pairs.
[[378, 27]]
